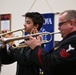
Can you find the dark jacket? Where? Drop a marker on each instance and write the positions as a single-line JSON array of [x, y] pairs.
[[25, 66], [61, 60], [0, 59]]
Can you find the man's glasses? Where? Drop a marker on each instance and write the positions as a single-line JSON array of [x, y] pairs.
[[61, 23]]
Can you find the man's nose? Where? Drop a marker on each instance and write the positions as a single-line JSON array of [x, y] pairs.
[[24, 25]]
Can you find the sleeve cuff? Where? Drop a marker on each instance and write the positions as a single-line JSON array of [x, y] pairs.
[[37, 47]]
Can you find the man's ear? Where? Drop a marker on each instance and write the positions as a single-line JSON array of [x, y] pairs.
[[72, 22], [36, 26]]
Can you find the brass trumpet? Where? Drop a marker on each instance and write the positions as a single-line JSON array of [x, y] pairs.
[[6, 40], [12, 31]]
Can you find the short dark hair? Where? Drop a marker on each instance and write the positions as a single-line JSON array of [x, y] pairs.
[[36, 17]]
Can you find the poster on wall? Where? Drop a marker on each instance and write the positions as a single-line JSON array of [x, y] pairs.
[[5, 22], [48, 26]]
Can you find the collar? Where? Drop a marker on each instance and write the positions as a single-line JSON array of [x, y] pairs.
[[69, 35]]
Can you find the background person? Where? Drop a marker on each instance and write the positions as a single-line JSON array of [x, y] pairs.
[[10, 35]]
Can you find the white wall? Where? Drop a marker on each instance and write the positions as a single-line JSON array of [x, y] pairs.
[[19, 7]]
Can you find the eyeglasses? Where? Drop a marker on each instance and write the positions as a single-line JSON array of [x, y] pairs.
[[61, 23]]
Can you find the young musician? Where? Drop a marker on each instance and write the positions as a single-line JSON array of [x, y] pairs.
[[25, 66]]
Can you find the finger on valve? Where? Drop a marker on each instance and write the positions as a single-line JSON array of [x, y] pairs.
[[33, 31], [4, 31]]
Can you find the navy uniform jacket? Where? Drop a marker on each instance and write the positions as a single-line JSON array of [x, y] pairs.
[[61, 60]]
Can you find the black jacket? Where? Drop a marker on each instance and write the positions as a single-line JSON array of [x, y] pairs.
[[61, 60], [0, 60], [25, 66]]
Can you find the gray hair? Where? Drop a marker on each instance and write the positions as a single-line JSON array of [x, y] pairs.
[[71, 14]]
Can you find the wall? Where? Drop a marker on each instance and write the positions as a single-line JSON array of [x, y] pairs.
[[19, 7]]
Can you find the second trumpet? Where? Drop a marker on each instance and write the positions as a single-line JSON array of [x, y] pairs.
[[6, 40]]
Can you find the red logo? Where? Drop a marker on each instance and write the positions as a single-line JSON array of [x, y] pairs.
[[64, 54]]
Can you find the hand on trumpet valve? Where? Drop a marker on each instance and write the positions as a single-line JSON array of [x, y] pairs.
[[4, 31], [34, 41], [33, 31], [8, 35]]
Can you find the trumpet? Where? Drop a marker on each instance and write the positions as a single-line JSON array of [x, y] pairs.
[[6, 40], [12, 32]]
